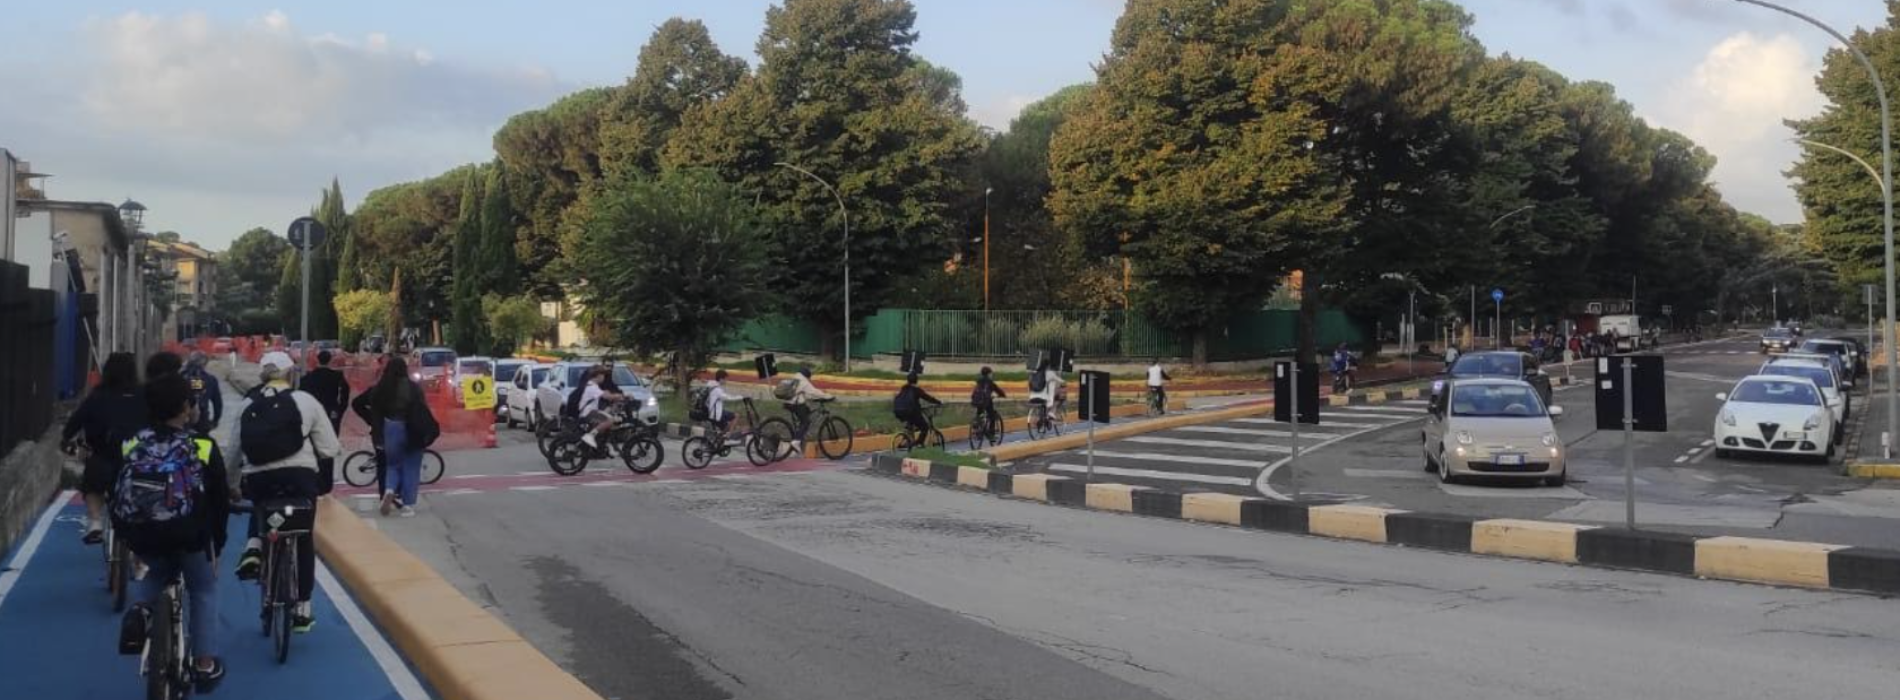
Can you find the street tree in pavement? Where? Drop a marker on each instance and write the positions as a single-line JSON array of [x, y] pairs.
[[835, 94], [672, 265], [247, 273], [468, 330], [361, 312]]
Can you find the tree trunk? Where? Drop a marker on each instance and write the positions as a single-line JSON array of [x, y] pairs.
[[1307, 329], [1200, 348]]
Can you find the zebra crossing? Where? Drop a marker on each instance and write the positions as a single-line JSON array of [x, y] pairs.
[[1225, 456]]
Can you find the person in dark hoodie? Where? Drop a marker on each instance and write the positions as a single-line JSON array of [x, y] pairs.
[[112, 412]]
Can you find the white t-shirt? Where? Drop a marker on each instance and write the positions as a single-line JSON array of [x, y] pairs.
[[590, 398], [1154, 375]]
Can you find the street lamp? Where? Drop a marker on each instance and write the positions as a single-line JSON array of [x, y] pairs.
[[847, 255], [1495, 332], [1886, 193], [986, 247], [133, 213]]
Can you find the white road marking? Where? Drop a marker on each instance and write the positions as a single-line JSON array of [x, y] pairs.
[[1383, 410], [17, 567], [1303, 426], [1211, 444], [1682, 459], [531, 488], [1151, 474], [1263, 432], [400, 677], [598, 484], [1563, 492], [1708, 443], [1183, 459], [1384, 474]]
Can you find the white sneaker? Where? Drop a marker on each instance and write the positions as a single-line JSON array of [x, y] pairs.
[[407, 512], [589, 439]]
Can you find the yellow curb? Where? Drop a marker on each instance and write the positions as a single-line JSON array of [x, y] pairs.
[[1764, 561], [1116, 497], [1348, 522], [1337, 400], [1213, 507], [1373, 397], [917, 468], [1034, 487], [1020, 450], [974, 477], [463, 651], [1874, 471], [1527, 539]]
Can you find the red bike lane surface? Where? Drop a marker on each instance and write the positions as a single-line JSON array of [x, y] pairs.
[[59, 636]]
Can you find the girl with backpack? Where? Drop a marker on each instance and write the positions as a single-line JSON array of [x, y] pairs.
[[114, 411], [400, 420]]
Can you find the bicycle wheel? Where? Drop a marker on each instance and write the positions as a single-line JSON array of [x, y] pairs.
[[996, 430], [283, 596], [977, 424], [545, 433], [359, 469], [696, 452], [902, 443], [831, 433], [119, 571], [160, 668], [936, 439], [432, 466], [642, 453], [1038, 425], [569, 457], [774, 440]]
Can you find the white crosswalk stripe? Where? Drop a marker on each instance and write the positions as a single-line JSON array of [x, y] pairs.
[[1260, 432], [1383, 410], [1212, 444], [1151, 474], [1181, 459]]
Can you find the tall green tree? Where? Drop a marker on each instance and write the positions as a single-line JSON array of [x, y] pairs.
[[247, 274], [323, 272], [1033, 264], [1843, 204], [497, 269], [680, 67], [349, 275], [468, 330], [672, 266], [550, 156], [835, 94]]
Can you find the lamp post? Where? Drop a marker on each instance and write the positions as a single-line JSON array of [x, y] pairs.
[[986, 247], [1495, 331], [1886, 194], [846, 214]]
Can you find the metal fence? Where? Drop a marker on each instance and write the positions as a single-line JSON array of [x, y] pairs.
[[26, 351]]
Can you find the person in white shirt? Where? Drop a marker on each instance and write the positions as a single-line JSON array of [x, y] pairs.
[[593, 404], [1157, 383], [800, 406], [716, 398], [1051, 387]]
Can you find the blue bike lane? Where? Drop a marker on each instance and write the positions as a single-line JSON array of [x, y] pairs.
[[59, 636]]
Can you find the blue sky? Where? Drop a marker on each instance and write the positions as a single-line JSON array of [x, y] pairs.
[[222, 115]]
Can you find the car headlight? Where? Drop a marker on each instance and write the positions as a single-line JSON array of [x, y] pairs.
[[653, 401], [416, 376], [1438, 385], [1550, 439], [1814, 423], [1728, 419], [1464, 438]]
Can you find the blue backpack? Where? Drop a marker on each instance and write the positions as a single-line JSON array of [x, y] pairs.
[[160, 488]]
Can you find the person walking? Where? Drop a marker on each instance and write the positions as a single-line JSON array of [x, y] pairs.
[[112, 412], [333, 391], [280, 436], [398, 413]]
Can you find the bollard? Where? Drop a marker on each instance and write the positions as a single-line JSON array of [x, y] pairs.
[[488, 437]]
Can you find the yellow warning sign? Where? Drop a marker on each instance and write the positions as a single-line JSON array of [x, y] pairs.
[[478, 392]]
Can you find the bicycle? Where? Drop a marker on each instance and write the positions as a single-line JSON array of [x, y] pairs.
[[119, 564], [1156, 405], [985, 427], [359, 469], [1046, 420], [698, 451], [637, 444], [165, 661], [831, 431], [290, 521], [1342, 381], [911, 438]]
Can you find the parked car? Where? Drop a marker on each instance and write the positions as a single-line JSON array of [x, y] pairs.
[[431, 367], [1776, 340], [505, 371], [552, 394], [1507, 364], [1843, 351], [522, 388], [1778, 415], [1862, 360], [1494, 428], [1819, 370]]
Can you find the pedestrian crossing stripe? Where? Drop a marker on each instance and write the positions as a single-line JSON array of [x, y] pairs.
[[1320, 428], [1214, 444], [1386, 410], [1182, 459], [1151, 474], [1262, 432]]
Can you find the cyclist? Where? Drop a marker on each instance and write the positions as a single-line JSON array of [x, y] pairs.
[[112, 412], [716, 398], [205, 393], [1050, 391], [1157, 383], [174, 537], [983, 397], [588, 403], [800, 406], [908, 406], [281, 435], [1342, 366]]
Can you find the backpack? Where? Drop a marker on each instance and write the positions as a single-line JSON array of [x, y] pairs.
[[271, 428], [905, 401], [196, 380], [786, 390], [1038, 381], [159, 489], [981, 395], [696, 404], [571, 408]]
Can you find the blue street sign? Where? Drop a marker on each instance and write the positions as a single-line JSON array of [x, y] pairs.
[[1497, 295]]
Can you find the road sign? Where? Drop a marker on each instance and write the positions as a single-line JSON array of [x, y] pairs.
[[1284, 403], [1497, 295], [1668, 310], [913, 361], [306, 233], [1095, 390], [1647, 406], [1059, 359], [767, 365], [478, 392]]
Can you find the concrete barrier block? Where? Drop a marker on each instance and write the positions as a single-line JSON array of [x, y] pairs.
[[1069, 492], [1278, 516], [1527, 539], [915, 468], [1764, 561], [1113, 497], [1637, 549], [1034, 487], [1864, 569], [1001, 482], [1160, 504], [1430, 530], [943, 473], [1349, 522], [1214, 507], [973, 477], [887, 463]]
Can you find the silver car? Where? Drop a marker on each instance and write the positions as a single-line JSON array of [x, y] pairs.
[[1493, 428], [552, 395]]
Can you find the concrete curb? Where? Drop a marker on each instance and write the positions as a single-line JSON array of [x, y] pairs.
[[1742, 559], [1873, 471], [464, 652], [951, 434]]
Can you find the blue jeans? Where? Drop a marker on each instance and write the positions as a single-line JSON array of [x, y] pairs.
[[403, 465], [201, 585]]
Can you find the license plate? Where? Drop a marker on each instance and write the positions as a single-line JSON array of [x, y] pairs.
[[1794, 436], [1509, 460]]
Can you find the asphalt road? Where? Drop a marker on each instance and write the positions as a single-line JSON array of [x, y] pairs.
[[1372, 455], [830, 584]]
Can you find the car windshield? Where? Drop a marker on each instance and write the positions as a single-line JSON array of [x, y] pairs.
[[1776, 392], [1488, 365], [1496, 401], [1831, 348], [623, 377], [506, 373], [437, 358], [1777, 334], [1821, 375], [475, 367], [540, 375]]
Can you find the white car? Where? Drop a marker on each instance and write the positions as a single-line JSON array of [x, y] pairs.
[[518, 407], [505, 370], [1820, 372], [1493, 427], [552, 394], [1775, 414]]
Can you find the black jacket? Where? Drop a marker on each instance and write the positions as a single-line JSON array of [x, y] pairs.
[[209, 394], [330, 389], [107, 418]]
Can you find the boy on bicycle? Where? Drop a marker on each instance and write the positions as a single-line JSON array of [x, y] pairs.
[[800, 406], [1158, 383], [984, 396], [908, 405], [589, 402], [716, 398], [175, 538], [281, 435]]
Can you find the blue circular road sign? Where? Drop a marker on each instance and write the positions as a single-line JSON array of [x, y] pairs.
[[1497, 295]]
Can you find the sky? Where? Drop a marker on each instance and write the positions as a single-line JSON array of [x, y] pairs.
[[222, 115]]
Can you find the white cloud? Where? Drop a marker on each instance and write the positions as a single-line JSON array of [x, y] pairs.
[[997, 114], [1733, 104], [217, 126]]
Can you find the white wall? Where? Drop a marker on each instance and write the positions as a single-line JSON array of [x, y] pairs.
[[33, 247]]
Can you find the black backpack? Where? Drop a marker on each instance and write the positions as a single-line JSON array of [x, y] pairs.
[[271, 428], [1038, 380], [905, 401]]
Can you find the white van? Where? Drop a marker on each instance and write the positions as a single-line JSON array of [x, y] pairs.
[[1628, 330]]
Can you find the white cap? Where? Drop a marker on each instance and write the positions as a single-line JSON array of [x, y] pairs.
[[275, 364]]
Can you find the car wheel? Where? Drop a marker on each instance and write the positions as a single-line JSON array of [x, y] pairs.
[[1444, 467], [1431, 467], [1829, 457], [1723, 453], [1557, 481]]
